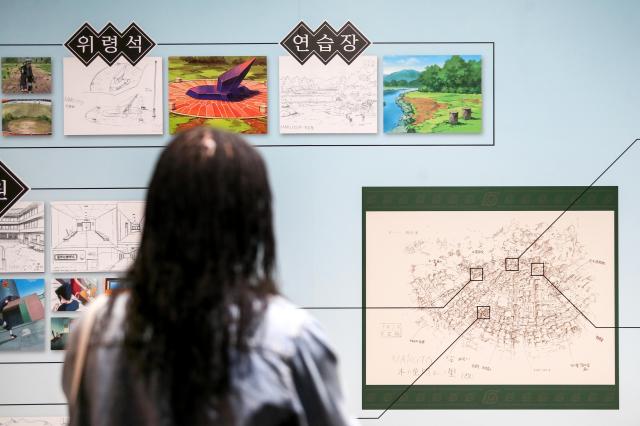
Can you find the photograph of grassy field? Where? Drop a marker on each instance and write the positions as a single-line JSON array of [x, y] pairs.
[[26, 75], [26, 117], [244, 110], [432, 94]]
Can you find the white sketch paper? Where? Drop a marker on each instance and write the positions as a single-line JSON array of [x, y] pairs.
[[121, 99], [34, 421], [22, 238], [332, 98], [526, 333], [95, 236]]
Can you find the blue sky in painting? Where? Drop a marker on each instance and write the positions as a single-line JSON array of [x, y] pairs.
[[27, 287], [417, 62]]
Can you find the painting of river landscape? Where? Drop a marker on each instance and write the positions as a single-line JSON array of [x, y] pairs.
[[432, 94]]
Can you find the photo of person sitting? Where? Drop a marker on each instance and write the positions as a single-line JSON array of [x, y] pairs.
[[66, 300], [72, 294]]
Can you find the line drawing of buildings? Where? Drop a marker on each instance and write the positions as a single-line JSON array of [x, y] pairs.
[[22, 238], [95, 236], [332, 98]]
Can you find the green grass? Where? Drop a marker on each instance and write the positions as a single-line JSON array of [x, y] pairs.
[[175, 121], [230, 125], [179, 68], [45, 67], [20, 110], [439, 122], [6, 69]]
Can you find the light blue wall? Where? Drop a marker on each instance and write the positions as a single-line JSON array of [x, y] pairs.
[[566, 105]]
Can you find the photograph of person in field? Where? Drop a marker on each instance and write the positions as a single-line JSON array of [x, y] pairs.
[[26, 75]]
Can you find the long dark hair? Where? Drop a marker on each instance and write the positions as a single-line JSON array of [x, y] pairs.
[[205, 262]]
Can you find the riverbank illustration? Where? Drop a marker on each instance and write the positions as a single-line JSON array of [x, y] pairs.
[[438, 94]]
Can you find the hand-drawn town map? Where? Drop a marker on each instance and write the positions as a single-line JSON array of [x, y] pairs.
[[473, 289]]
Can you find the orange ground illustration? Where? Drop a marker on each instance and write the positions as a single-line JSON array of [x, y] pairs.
[[254, 106]]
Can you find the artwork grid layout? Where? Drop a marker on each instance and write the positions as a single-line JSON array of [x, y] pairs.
[[437, 94], [92, 244], [31, 309]]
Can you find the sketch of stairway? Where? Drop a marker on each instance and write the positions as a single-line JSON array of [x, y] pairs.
[[70, 235], [101, 235]]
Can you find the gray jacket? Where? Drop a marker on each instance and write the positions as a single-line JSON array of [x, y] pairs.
[[289, 376]]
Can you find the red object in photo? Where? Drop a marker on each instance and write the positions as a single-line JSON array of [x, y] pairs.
[[76, 287]]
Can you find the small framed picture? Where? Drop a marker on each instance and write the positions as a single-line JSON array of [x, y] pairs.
[[111, 285]]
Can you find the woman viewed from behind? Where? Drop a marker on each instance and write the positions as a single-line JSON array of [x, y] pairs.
[[201, 335]]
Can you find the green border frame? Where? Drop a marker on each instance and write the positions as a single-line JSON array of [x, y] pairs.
[[503, 198]]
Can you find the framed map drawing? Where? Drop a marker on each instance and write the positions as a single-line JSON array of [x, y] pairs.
[[482, 300]]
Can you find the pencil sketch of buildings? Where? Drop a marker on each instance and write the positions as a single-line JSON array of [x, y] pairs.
[[332, 98], [119, 100], [22, 238], [95, 236]]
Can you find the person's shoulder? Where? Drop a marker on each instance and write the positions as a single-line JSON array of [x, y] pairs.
[[110, 318], [285, 317], [285, 327]]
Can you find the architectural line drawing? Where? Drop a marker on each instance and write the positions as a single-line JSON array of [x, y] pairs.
[[22, 238], [95, 236], [117, 100], [332, 98]]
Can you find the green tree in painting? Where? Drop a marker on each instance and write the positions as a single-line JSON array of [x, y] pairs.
[[455, 76], [432, 79], [401, 83]]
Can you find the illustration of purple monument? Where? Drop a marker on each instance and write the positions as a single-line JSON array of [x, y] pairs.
[[227, 87]]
